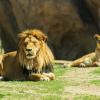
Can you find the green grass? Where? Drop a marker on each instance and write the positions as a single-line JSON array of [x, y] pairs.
[[33, 90], [42, 90], [96, 73], [96, 82], [86, 97]]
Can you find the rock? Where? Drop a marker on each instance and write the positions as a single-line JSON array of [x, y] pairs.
[[68, 32], [94, 7]]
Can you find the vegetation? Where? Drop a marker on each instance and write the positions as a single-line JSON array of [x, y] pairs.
[[96, 74], [33, 90], [86, 97], [52, 90]]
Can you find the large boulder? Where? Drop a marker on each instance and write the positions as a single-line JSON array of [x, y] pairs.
[[94, 7], [69, 35]]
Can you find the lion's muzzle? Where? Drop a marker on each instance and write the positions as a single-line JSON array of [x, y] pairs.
[[30, 54]]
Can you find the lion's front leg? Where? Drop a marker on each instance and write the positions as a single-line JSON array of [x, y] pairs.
[[96, 64], [41, 77], [37, 77], [50, 75]]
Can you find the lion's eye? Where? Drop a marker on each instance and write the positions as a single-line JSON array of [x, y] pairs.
[[25, 43], [35, 43]]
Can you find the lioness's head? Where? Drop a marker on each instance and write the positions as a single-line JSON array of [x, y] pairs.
[[97, 37], [31, 42]]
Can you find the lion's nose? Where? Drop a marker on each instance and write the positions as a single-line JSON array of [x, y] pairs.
[[28, 49]]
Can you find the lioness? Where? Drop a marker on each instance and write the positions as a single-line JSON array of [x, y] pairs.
[[92, 59]]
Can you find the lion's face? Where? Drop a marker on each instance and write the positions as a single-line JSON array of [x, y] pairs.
[[31, 47]]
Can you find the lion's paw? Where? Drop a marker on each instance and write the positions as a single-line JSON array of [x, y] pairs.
[[1, 78], [44, 79], [82, 65]]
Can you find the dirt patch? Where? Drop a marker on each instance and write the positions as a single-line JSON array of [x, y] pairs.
[[81, 76], [91, 90]]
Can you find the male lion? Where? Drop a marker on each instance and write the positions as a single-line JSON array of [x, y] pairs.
[[89, 60], [32, 61]]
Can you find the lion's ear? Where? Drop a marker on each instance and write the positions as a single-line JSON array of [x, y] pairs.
[[21, 35], [45, 38], [96, 36], [41, 37], [39, 34]]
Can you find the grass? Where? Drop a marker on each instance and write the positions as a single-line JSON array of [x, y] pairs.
[[52, 90], [33, 90], [86, 97], [96, 73], [96, 82]]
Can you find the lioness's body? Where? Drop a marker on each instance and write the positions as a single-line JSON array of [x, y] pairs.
[[89, 60], [32, 61], [86, 60]]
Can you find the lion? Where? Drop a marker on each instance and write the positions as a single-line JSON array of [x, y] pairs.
[[32, 61], [91, 59]]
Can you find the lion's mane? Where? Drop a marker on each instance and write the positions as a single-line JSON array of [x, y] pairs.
[[44, 59]]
